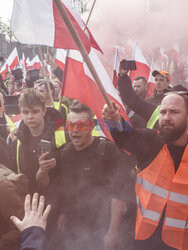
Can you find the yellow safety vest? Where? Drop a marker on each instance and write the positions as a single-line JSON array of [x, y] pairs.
[[56, 106], [154, 118], [97, 131], [59, 140]]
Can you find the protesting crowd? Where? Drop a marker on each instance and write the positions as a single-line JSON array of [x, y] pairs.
[[77, 173]]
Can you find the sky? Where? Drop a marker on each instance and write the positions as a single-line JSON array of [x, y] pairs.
[[6, 9]]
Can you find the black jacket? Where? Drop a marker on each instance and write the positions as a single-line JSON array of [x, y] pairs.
[[30, 151], [129, 97]]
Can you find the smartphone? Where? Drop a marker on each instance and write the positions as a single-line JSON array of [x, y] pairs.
[[45, 146], [128, 65]]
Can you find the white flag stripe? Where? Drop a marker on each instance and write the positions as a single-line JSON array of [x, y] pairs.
[[34, 15]]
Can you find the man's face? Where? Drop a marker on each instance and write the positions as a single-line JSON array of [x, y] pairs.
[[44, 93], [34, 117], [161, 83], [140, 88], [79, 129], [173, 118]]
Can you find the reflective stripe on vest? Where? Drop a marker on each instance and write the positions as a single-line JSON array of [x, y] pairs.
[[59, 140], [56, 106], [154, 118], [180, 198], [158, 186], [146, 213], [17, 156], [176, 223], [152, 188]]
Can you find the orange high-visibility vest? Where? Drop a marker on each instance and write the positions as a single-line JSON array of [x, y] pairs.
[[158, 185]]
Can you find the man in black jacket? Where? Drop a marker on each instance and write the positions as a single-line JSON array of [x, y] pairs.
[[38, 123]]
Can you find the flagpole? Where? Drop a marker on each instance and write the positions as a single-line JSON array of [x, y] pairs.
[[90, 14], [82, 49], [45, 74], [63, 81]]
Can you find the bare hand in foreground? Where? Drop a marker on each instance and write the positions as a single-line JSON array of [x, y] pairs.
[[34, 215]]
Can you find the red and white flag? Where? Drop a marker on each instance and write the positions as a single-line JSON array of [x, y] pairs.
[[60, 58], [4, 70], [34, 63], [116, 68], [151, 81], [142, 66], [13, 61], [79, 84], [39, 22]]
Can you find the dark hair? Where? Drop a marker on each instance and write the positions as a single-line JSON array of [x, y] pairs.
[[77, 107], [30, 97], [140, 78], [43, 82]]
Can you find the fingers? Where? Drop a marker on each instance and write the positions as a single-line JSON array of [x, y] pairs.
[[41, 205], [46, 212], [47, 164], [43, 156], [16, 221], [35, 202], [27, 204], [111, 114]]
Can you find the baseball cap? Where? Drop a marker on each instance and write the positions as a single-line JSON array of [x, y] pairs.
[[162, 73]]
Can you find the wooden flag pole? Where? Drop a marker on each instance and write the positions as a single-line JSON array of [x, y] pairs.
[[63, 81], [45, 75], [82, 49], [90, 14]]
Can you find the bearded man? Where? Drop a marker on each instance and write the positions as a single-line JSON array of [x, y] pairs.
[[162, 183]]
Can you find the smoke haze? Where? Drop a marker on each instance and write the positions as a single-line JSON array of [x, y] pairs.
[[151, 23]]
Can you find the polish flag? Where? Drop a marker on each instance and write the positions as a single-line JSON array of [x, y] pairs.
[[151, 85], [4, 70], [79, 84], [60, 58], [34, 63], [142, 66], [39, 22], [13, 61], [116, 68]]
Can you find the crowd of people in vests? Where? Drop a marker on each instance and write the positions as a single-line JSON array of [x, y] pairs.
[[128, 194]]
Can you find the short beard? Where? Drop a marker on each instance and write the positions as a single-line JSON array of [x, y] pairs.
[[172, 135]]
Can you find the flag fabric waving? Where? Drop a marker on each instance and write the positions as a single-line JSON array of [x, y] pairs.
[[34, 63], [60, 58], [142, 66], [4, 70], [39, 22], [79, 84], [13, 61]]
